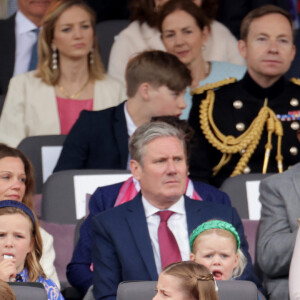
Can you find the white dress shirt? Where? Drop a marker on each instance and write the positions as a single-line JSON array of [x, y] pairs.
[[177, 224], [131, 127], [25, 39]]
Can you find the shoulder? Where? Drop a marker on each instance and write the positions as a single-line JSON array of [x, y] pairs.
[[51, 288], [132, 29], [104, 198], [6, 23], [98, 114], [28, 79], [215, 85], [217, 27], [281, 179], [295, 82], [109, 82]]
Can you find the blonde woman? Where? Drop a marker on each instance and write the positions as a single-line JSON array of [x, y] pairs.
[[69, 77]]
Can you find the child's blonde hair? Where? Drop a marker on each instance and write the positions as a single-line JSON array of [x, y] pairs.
[[195, 279], [224, 229], [6, 292], [32, 261]]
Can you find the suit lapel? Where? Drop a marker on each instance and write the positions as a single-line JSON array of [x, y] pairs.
[[193, 213], [137, 223], [121, 134]]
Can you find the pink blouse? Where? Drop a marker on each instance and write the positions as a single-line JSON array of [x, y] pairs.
[[69, 110]]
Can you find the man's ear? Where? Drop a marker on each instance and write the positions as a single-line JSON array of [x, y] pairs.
[[135, 169], [242, 46]]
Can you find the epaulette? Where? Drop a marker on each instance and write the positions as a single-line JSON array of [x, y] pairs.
[[213, 85], [295, 80]]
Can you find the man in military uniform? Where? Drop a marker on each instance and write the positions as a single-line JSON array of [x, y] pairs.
[[250, 125]]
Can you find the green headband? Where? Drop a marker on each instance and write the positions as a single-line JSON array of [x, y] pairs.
[[214, 224]]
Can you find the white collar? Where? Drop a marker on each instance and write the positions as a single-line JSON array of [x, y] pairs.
[[131, 127], [23, 24], [178, 207]]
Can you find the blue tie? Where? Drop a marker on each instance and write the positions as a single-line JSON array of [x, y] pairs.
[[34, 56]]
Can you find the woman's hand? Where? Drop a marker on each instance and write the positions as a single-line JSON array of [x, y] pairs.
[[8, 269]]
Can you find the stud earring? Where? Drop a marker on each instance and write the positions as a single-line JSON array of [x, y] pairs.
[[54, 58], [92, 56]]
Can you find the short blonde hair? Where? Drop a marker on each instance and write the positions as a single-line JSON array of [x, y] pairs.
[[242, 260], [45, 52]]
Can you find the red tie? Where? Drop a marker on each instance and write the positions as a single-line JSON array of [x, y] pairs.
[[169, 250]]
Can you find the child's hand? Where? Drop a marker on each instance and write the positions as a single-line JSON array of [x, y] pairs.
[[8, 269]]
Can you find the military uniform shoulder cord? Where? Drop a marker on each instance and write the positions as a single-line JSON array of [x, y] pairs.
[[247, 142]]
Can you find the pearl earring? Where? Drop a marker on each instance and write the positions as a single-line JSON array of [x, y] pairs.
[[92, 56], [54, 58]]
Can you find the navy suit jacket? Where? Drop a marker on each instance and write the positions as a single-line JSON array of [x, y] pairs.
[[98, 140], [122, 248], [7, 52], [78, 270]]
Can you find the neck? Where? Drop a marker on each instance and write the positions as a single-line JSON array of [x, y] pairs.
[[137, 111], [36, 20], [263, 81], [199, 70], [73, 71]]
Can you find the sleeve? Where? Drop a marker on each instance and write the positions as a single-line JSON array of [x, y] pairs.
[[248, 273], [75, 149], [48, 257], [121, 51], [275, 236], [294, 287], [199, 166], [79, 271], [107, 267], [12, 121]]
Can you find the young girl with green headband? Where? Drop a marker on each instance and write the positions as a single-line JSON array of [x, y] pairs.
[[216, 245]]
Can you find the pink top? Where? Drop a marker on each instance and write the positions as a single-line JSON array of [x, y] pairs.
[[69, 110]]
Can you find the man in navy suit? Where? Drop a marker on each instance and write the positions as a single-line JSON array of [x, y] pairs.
[[156, 83], [126, 244], [17, 39]]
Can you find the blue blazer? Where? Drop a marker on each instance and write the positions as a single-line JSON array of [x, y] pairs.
[[78, 270], [122, 248], [98, 140]]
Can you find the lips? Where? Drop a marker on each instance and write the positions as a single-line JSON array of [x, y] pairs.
[[217, 275], [13, 197]]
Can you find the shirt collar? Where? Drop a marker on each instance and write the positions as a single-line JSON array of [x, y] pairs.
[[177, 207], [131, 127], [23, 24]]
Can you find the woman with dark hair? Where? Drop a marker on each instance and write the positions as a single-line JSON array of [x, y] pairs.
[[17, 183], [69, 77], [142, 34], [184, 31]]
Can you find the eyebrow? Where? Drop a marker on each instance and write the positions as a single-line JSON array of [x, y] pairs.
[[70, 24]]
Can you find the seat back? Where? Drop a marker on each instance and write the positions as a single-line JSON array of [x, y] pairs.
[[32, 148], [236, 189], [58, 195], [228, 290], [29, 290], [106, 33]]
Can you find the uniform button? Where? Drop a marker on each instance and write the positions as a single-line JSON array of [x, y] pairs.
[[294, 150], [237, 104], [294, 102], [295, 125], [240, 126], [247, 170]]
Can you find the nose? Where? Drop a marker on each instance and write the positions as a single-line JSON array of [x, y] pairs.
[[77, 32], [273, 47], [171, 167], [216, 260], [17, 184], [8, 242], [179, 39], [181, 102]]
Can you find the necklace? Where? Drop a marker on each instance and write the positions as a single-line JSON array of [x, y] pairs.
[[75, 95]]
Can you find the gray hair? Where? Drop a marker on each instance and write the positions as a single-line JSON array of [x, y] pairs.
[[147, 133]]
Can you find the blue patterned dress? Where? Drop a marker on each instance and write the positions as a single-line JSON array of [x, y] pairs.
[[50, 287]]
